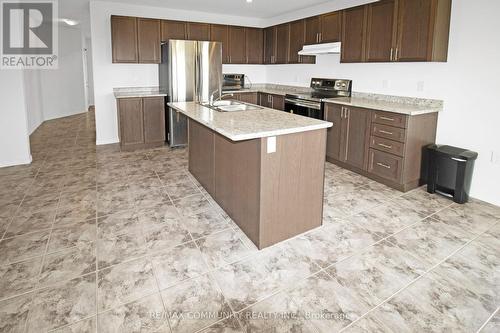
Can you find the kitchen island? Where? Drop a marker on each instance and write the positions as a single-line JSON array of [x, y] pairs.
[[264, 167]]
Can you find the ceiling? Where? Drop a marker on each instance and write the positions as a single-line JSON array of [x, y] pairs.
[[260, 9]]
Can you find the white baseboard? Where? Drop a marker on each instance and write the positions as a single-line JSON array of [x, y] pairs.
[[107, 142], [21, 161]]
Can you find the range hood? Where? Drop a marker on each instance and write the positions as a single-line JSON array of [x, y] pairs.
[[315, 49]]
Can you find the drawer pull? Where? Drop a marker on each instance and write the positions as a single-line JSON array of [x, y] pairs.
[[387, 118], [384, 165], [385, 146], [386, 132]]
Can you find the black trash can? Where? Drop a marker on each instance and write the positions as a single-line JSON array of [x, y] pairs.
[[450, 171]]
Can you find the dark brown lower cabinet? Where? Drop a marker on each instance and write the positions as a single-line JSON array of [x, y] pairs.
[[348, 138], [141, 122], [252, 97], [270, 196], [384, 146], [333, 114], [272, 101]]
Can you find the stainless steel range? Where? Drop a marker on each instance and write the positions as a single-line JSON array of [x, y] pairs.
[[310, 104]]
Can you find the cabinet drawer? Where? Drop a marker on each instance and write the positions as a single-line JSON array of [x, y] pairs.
[[389, 146], [385, 165], [389, 132], [389, 118]]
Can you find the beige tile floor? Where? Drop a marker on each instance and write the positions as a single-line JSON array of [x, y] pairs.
[[98, 240]]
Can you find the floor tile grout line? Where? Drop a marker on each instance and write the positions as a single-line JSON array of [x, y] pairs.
[[490, 318], [416, 279]]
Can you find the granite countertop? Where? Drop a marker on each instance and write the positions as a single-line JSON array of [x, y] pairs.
[[139, 92], [251, 124], [402, 105]]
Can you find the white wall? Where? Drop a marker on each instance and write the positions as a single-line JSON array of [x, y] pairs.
[[14, 140], [63, 92], [33, 99], [471, 115], [89, 71]]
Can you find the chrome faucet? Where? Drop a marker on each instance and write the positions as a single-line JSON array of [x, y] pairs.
[[221, 96]]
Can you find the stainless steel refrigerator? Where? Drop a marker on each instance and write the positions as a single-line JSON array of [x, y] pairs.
[[190, 71]]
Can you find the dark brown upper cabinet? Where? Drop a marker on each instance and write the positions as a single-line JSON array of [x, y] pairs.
[[173, 30], [270, 45], [331, 25], [323, 28], [220, 33], [254, 45], [423, 30], [313, 28], [353, 34], [282, 43], [124, 39], [381, 31], [148, 37], [198, 31], [237, 45], [297, 41]]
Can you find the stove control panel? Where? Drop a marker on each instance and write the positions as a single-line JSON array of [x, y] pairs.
[[336, 86]]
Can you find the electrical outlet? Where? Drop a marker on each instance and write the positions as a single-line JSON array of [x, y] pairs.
[[385, 83], [420, 86], [495, 157]]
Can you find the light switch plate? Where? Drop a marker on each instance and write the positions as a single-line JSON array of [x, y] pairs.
[[271, 144]]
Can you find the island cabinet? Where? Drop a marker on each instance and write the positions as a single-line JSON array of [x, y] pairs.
[[141, 122], [385, 146], [270, 195]]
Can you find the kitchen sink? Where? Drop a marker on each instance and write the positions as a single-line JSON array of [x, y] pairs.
[[231, 106]]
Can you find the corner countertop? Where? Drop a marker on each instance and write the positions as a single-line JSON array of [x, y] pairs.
[[139, 92], [251, 124], [406, 106]]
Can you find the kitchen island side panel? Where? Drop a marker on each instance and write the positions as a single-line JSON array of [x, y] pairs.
[[292, 186], [237, 182], [201, 155]]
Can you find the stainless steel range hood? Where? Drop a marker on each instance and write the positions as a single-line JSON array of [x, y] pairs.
[[327, 48]]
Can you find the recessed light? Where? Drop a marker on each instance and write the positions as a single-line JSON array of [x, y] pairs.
[[249, 1], [69, 21]]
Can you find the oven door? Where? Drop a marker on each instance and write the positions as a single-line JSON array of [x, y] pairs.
[[304, 108]]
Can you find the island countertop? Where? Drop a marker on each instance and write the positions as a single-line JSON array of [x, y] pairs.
[[251, 124]]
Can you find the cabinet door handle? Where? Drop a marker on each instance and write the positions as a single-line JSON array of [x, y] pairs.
[[396, 58], [386, 132], [385, 146], [387, 118], [384, 165], [392, 52], [320, 37]]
